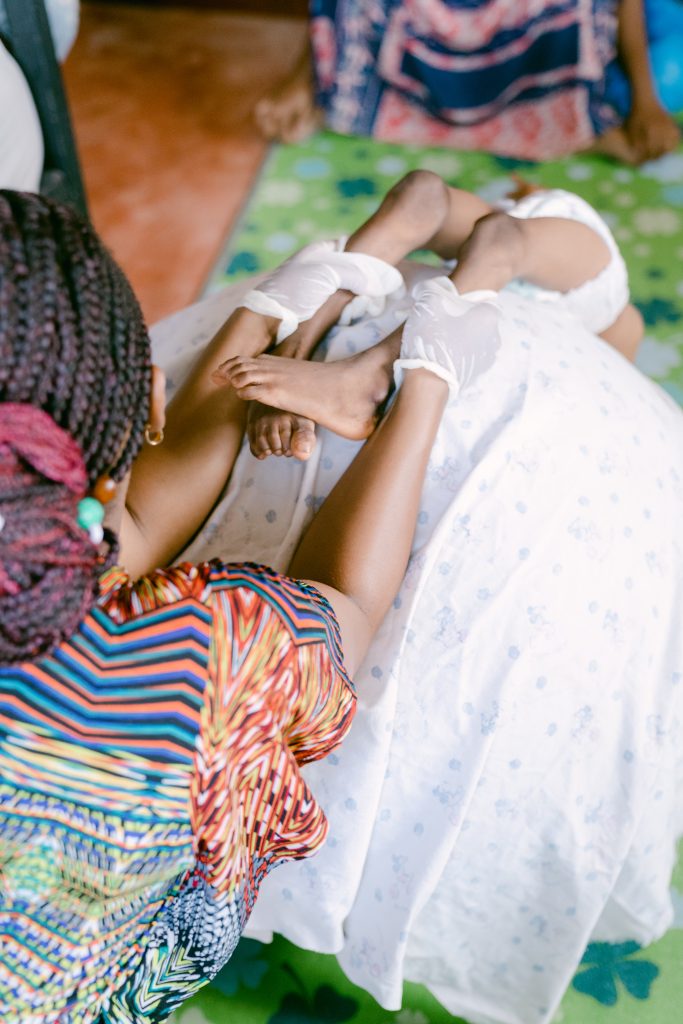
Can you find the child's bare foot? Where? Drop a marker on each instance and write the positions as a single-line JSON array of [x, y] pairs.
[[343, 396], [289, 113], [276, 432]]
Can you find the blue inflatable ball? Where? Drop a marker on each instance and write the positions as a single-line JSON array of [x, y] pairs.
[[666, 59]]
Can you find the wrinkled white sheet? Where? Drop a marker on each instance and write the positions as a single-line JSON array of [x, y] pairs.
[[511, 787]]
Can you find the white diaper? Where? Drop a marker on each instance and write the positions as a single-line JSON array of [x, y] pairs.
[[598, 302]]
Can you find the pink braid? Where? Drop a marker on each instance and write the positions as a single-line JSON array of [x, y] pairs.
[[48, 566]]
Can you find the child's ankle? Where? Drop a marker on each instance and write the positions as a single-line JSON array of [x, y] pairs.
[[257, 332]]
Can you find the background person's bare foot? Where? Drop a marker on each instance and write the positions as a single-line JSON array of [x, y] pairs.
[[289, 113], [636, 141], [614, 143], [276, 432]]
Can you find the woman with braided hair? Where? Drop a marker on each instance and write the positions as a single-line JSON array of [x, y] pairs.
[[152, 732], [512, 788], [71, 336]]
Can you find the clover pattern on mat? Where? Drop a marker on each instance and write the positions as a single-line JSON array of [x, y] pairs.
[[326, 1006], [607, 965], [349, 187], [513, 163], [244, 262], [244, 968], [657, 310]]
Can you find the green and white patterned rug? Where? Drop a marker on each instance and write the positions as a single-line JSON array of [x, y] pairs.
[[327, 187]]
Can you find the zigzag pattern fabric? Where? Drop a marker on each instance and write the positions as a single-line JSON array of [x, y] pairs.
[[149, 780]]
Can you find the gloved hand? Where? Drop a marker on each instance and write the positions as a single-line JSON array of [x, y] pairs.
[[297, 289], [455, 336]]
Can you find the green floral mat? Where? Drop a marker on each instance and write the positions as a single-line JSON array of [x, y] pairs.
[[327, 187]]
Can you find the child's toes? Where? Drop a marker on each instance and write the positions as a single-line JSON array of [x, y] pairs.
[[303, 441]]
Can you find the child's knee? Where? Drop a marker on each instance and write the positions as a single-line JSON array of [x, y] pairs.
[[500, 237], [424, 187]]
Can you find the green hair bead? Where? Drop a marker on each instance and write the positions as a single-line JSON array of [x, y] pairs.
[[90, 513], [90, 517]]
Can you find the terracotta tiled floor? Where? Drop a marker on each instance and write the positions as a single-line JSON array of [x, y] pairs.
[[161, 101]]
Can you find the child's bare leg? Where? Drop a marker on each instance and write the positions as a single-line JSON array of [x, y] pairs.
[[626, 333], [274, 431], [344, 395], [552, 252], [420, 211], [356, 549]]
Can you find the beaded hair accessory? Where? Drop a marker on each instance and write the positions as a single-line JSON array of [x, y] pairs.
[[50, 552], [39, 441], [90, 516]]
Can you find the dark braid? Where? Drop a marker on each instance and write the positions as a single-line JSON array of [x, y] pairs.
[[72, 338], [48, 561], [72, 343]]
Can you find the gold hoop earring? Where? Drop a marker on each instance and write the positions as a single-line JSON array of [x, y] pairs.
[[153, 437]]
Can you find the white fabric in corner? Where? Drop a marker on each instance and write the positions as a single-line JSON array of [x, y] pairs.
[[64, 16], [21, 138]]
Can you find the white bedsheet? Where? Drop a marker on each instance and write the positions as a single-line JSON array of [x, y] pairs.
[[511, 788]]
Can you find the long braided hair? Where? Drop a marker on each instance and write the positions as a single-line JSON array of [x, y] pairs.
[[75, 379]]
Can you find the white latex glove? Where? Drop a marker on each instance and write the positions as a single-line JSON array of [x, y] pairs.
[[297, 289], [455, 336]]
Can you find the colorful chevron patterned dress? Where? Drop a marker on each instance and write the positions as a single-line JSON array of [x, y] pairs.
[[149, 780]]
